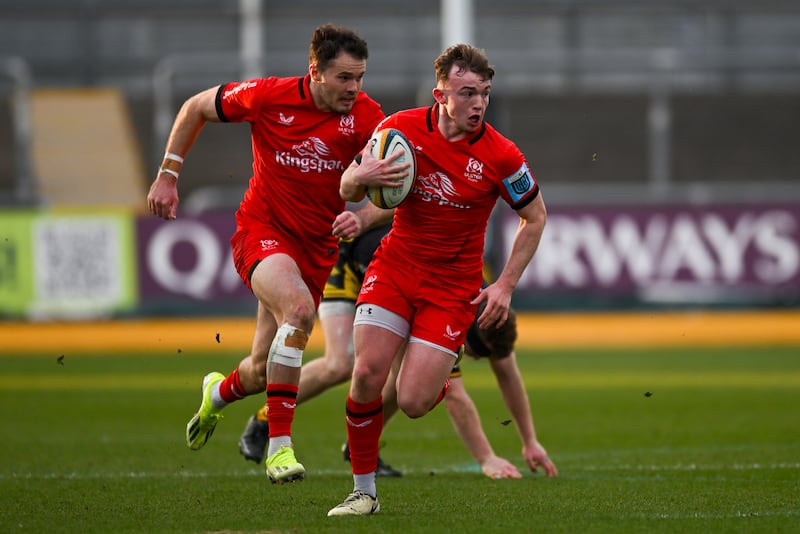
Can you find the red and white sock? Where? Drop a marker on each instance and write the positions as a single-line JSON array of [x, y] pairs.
[[230, 390], [281, 403], [364, 427]]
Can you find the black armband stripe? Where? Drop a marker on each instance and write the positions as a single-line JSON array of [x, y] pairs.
[[218, 103], [527, 200]]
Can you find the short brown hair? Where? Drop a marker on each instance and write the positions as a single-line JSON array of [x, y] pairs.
[[492, 342], [501, 340], [329, 40], [467, 58]]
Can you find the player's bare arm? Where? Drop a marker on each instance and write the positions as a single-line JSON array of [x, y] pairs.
[[512, 387], [467, 423], [371, 215], [371, 171], [351, 224], [162, 200], [498, 295]]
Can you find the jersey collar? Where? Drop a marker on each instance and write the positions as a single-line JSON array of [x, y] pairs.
[[304, 86], [432, 120]]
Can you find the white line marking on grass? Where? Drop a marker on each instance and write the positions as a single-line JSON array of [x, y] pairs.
[[702, 515], [144, 475], [691, 467], [741, 449], [459, 468], [545, 381]]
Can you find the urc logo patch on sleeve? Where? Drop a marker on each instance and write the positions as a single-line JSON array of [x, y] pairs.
[[519, 184]]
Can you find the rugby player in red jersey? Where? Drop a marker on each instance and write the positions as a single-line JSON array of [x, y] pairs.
[[305, 130], [423, 285]]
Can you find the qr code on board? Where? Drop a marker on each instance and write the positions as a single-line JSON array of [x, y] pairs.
[[77, 258]]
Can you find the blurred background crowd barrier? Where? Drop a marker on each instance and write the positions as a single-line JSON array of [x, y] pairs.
[[664, 136]]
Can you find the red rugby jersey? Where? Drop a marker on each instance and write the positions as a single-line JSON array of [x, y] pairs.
[[299, 152], [442, 223]]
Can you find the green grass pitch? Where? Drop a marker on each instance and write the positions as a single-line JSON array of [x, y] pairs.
[[657, 440]]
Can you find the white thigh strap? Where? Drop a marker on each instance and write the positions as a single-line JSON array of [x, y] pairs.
[[381, 317]]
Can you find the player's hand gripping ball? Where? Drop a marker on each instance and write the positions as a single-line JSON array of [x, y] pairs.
[[383, 144]]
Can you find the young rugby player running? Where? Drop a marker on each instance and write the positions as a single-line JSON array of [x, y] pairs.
[[304, 132], [423, 285]]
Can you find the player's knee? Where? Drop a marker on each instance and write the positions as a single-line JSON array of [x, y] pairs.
[[302, 314], [366, 385], [339, 371], [254, 374], [414, 406], [413, 411], [331, 373]]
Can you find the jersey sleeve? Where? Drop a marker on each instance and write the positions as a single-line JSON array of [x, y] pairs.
[[518, 185], [239, 101]]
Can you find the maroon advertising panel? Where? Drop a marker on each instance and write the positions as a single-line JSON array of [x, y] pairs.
[[589, 256], [188, 262], [748, 254]]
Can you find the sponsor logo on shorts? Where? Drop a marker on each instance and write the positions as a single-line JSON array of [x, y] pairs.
[[450, 333], [368, 284], [269, 244]]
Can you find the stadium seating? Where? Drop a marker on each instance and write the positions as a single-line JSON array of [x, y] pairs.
[[569, 72]]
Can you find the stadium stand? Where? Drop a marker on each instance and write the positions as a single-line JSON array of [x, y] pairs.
[[84, 152], [698, 95]]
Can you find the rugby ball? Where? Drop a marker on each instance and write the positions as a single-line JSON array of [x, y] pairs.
[[383, 144]]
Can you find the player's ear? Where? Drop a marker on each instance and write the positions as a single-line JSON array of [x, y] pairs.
[[313, 72], [438, 95]]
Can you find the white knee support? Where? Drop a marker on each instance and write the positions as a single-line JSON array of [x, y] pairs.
[[288, 345]]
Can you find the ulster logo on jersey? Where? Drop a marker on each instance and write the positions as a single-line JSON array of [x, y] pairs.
[[474, 170], [347, 124]]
